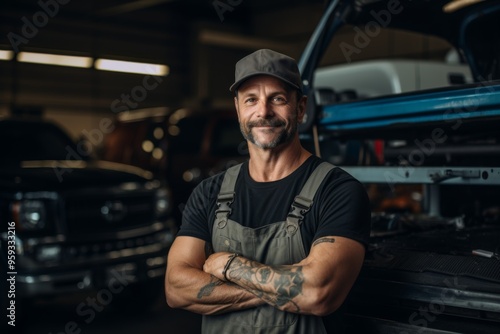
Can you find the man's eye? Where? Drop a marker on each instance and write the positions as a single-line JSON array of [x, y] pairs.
[[250, 100], [279, 100]]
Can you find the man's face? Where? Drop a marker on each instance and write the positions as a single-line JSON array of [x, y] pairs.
[[268, 112]]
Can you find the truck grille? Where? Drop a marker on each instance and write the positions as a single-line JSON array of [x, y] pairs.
[[109, 213], [114, 248]]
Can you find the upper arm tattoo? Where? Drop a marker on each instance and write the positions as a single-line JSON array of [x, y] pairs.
[[325, 239]]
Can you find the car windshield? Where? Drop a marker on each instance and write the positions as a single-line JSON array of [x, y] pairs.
[[24, 141]]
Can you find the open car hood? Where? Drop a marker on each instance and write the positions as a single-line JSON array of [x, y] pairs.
[[466, 25]]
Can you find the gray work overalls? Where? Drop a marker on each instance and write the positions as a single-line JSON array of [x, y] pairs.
[[274, 244]]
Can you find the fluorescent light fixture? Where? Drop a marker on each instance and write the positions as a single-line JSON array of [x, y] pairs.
[[458, 4], [52, 59], [131, 67], [6, 55]]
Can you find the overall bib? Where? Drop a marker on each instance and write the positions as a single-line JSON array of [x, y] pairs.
[[275, 244]]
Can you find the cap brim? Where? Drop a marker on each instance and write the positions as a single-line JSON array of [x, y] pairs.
[[235, 85]]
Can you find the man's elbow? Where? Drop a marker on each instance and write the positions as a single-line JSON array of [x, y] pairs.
[[172, 298], [172, 302], [324, 309], [325, 304]]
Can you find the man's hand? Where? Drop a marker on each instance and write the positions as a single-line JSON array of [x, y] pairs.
[[215, 264]]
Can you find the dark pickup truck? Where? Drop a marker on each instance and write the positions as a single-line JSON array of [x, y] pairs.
[[429, 157], [72, 224]]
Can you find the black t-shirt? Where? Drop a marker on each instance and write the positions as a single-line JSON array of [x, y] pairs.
[[340, 206]]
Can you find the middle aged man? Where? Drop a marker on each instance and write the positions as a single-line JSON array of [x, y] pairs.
[[274, 244]]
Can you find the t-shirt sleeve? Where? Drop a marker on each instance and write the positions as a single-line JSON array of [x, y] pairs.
[[345, 210], [196, 213]]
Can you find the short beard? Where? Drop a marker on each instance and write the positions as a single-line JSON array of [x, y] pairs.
[[283, 137]]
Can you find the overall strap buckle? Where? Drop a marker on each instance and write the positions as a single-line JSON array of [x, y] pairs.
[[226, 196], [303, 201], [299, 207], [224, 201], [294, 218]]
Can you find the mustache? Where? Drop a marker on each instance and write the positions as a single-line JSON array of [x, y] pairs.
[[274, 122]]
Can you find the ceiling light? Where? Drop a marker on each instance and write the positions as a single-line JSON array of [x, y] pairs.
[[131, 67], [458, 4], [6, 55], [52, 59]]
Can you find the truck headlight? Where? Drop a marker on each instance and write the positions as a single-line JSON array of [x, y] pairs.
[[31, 214], [48, 253]]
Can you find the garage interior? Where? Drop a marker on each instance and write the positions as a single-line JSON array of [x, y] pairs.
[[198, 41], [186, 51]]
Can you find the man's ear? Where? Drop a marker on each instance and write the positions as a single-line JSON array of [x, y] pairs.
[[301, 107]]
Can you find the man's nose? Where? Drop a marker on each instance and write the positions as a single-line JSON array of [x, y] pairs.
[[265, 110]]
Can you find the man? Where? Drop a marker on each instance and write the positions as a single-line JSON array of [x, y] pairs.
[[274, 244]]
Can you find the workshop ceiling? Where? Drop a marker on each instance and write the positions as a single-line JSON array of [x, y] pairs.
[[196, 39]]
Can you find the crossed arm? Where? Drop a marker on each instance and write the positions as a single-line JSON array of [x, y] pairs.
[[316, 285]]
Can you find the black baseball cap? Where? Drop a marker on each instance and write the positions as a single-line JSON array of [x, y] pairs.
[[267, 62]]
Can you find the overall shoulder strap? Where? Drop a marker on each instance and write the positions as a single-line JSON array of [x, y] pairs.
[[304, 200], [226, 195]]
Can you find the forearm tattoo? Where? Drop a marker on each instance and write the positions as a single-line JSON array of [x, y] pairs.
[[284, 282], [325, 239], [210, 287]]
